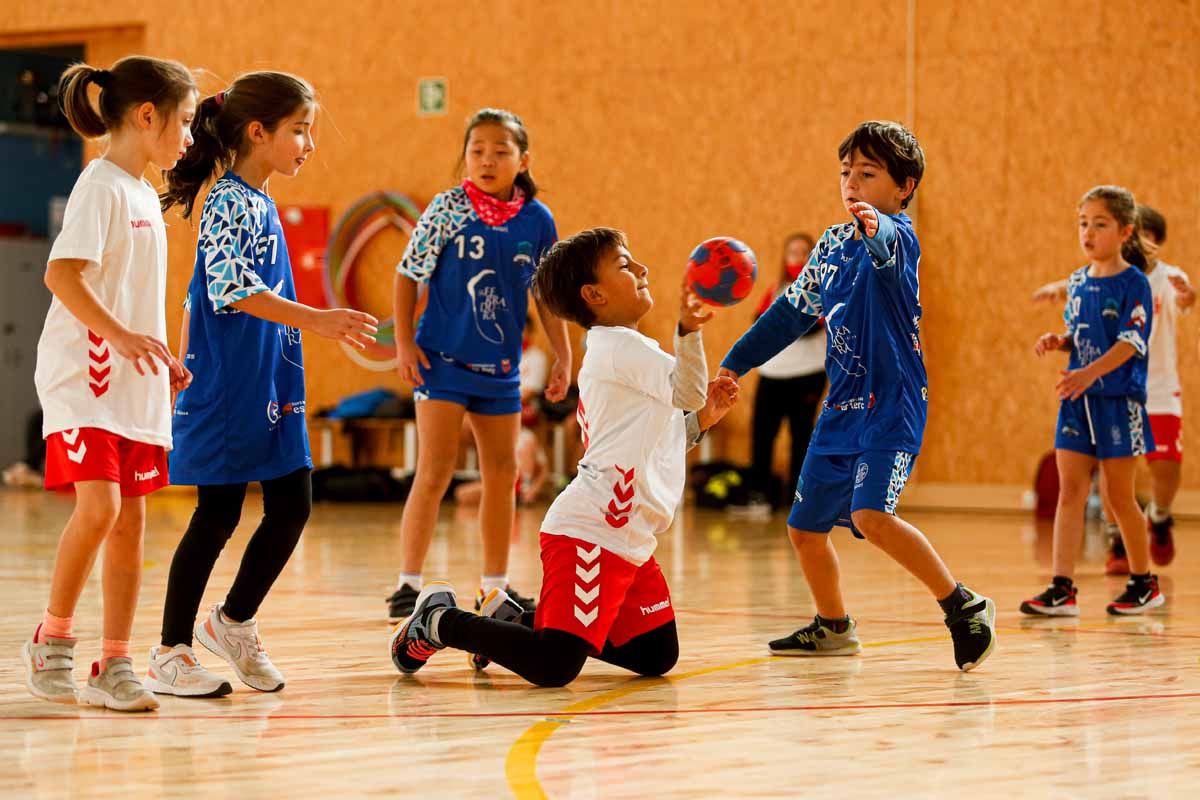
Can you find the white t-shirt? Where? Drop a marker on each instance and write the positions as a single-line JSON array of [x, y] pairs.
[[113, 221], [805, 356], [632, 473], [533, 370], [1164, 393]]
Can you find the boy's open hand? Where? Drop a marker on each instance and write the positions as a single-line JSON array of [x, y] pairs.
[[722, 395], [867, 218]]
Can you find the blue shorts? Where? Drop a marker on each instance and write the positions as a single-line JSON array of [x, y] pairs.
[[831, 488], [1104, 427], [447, 380]]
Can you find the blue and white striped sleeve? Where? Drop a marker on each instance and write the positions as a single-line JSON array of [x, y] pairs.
[[228, 230]]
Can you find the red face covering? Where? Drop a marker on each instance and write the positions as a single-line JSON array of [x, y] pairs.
[[491, 210]]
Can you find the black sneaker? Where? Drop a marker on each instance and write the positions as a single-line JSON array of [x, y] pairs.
[[497, 605], [816, 639], [1138, 597], [412, 642], [973, 629], [1054, 602], [401, 604], [526, 603]]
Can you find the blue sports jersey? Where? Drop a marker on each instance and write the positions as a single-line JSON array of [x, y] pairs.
[[1103, 311], [242, 419], [868, 292], [478, 276]]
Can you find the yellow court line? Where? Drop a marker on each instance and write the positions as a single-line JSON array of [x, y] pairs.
[[520, 767]]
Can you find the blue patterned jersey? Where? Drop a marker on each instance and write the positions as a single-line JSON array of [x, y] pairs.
[[1103, 311], [242, 419], [867, 290], [478, 278]]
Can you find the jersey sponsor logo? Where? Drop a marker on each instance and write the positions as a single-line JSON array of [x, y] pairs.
[[294, 407], [145, 476], [1112, 309], [861, 477], [486, 304], [654, 609], [139, 223], [1137, 317], [620, 507], [272, 412], [842, 345], [505, 366], [485, 369], [524, 253], [853, 404]]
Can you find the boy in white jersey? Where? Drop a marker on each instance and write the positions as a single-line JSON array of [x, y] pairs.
[[1173, 295], [603, 593]]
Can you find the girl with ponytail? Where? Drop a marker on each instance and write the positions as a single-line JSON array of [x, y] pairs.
[[243, 417], [104, 373]]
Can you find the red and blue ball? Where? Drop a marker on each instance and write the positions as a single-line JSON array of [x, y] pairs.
[[721, 271]]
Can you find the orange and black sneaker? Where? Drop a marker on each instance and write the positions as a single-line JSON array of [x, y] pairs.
[[413, 641], [1141, 594]]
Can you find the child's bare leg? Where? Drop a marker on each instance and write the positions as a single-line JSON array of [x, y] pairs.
[[908, 547], [1118, 481], [97, 505], [438, 425], [822, 572], [1074, 485], [122, 576], [496, 438]]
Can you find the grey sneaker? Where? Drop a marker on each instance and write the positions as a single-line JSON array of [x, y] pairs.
[[48, 669], [412, 642], [239, 645], [818, 640], [116, 687]]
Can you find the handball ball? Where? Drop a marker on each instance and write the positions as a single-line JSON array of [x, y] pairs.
[[721, 271]]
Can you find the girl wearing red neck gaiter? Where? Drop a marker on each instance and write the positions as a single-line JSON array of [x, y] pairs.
[[475, 249]]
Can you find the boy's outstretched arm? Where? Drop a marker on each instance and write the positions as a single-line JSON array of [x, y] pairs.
[[782, 324]]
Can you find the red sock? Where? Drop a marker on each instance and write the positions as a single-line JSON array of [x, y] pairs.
[[58, 627], [112, 648]]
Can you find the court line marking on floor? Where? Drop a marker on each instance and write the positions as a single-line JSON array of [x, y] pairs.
[[520, 766]]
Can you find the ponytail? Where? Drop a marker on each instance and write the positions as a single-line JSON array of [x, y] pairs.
[[74, 100], [131, 82]]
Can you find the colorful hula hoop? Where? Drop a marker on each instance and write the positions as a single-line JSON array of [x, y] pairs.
[[362, 222]]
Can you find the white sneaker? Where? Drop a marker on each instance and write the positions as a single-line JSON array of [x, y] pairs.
[[176, 670], [117, 688], [239, 645]]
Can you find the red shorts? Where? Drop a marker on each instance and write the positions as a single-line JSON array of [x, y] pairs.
[[1168, 438], [93, 454], [597, 595]]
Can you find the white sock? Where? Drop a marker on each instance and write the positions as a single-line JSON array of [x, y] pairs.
[[411, 578], [489, 582], [1157, 513]]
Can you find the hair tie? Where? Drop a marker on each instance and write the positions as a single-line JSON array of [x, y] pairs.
[[102, 78], [220, 98]]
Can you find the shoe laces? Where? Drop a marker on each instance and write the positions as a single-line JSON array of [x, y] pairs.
[[809, 633]]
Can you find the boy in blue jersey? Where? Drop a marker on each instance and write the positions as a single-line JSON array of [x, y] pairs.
[[862, 279]]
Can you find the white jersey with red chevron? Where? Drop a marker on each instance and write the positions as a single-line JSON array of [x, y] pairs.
[[632, 473], [113, 223]]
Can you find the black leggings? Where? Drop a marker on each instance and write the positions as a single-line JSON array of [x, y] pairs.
[[552, 657], [777, 398], [287, 502]]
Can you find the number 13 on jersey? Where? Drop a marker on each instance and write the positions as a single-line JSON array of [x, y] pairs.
[[474, 245]]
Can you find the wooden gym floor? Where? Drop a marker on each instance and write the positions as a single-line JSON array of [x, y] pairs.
[[1093, 708]]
